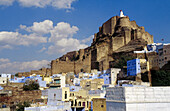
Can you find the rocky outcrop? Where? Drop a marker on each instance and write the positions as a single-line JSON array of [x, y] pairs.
[[117, 35]]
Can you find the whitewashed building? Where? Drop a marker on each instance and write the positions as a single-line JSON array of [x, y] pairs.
[[3, 80], [58, 100], [138, 99]]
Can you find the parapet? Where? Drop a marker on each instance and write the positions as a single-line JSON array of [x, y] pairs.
[[124, 22], [134, 25]]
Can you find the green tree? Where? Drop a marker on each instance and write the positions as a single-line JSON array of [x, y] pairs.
[[21, 105], [122, 61], [30, 85], [16, 74], [160, 78]]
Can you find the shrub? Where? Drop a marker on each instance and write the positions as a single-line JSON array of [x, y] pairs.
[[122, 61], [160, 78], [30, 85], [22, 105]]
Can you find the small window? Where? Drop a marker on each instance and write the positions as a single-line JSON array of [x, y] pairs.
[[84, 104], [83, 57], [79, 103], [65, 94], [87, 104], [164, 51], [71, 103], [75, 102]]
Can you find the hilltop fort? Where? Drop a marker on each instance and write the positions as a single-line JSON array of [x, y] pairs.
[[116, 35]]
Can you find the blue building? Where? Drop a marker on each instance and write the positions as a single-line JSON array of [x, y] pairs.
[[154, 47], [106, 77], [133, 67]]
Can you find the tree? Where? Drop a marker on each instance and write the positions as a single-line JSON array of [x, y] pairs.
[[122, 61], [21, 105], [30, 85], [160, 78], [16, 74]]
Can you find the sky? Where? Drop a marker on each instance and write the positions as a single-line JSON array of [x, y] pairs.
[[34, 32]]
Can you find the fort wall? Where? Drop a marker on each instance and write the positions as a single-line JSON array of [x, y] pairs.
[[109, 26], [114, 34], [82, 64], [124, 22], [42, 71], [117, 42]]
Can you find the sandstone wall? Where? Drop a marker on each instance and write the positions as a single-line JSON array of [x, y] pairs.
[[166, 53], [18, 95], [26, 74], [133, 25], [116, 33], [42, 71], [153, 59], [117, 42], [99, 104], [82, 64], [127, 35], [62, 66], [109, 26], [124, 22], [102, 51]]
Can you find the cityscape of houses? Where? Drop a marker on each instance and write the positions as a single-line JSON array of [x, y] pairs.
[[95, 91], [129, 88]]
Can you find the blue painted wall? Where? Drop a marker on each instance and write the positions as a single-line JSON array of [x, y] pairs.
[[133, 67]]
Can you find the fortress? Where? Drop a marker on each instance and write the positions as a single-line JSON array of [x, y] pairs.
[[117, 35]]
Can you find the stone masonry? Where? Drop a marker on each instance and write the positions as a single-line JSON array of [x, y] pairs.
[[138, 99], [18, 95], [117, 34]]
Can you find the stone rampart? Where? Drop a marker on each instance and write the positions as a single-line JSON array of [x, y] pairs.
[[116, 35]]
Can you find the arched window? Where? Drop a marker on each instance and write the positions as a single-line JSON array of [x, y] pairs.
[[75, 102], [87, 104], [71, 103], [79, 103], [84, 104]]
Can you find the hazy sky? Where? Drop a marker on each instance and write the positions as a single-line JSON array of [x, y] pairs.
[[34, 32]]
